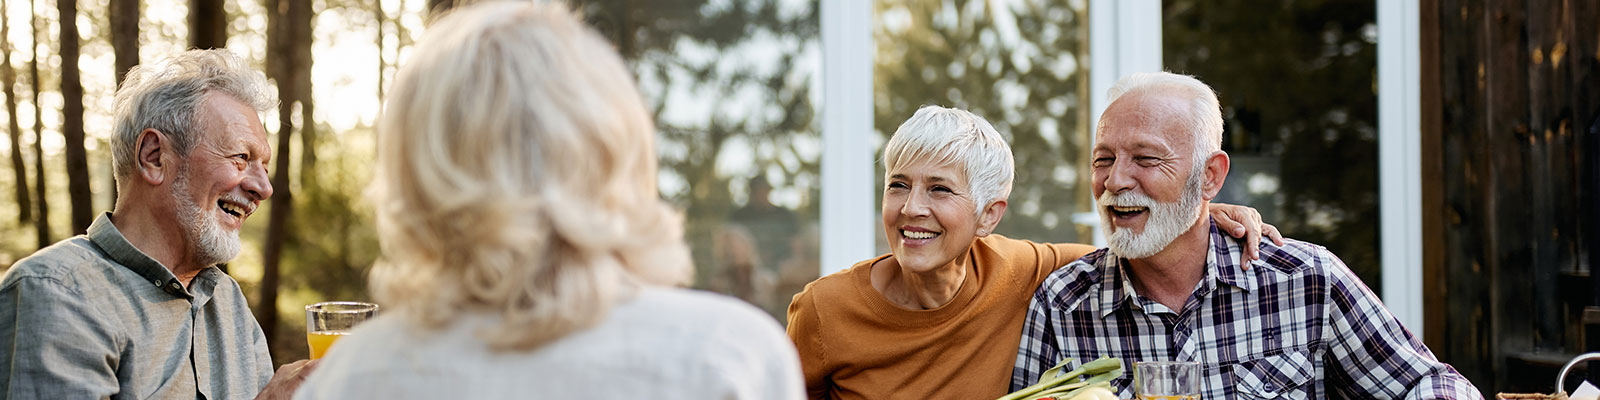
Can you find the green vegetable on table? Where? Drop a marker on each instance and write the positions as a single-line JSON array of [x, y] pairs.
[[1066, 385]]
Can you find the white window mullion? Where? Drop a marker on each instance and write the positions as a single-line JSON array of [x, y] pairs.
[[1399, 159], [847, 195]]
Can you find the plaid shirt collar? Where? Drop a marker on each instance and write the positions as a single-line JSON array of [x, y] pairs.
[[1222, 267]]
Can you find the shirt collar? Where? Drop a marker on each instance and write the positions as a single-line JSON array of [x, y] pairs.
[[1222, 262], [105, 235], [1115, 289], [1222, 267]]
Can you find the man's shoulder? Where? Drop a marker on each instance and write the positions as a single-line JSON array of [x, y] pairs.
[[1303, 263], [1294, 256], [1075, 280], [60, 262]]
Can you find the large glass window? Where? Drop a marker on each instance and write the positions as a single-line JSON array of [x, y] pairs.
[[734, 85], [1298, 90], [1022, 65]]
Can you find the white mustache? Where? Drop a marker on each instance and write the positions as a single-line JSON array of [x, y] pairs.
[[1129, 199], [249, 206]]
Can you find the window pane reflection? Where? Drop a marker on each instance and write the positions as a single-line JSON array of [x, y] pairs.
[[1297, 82], [734, 86], [1022, 65]]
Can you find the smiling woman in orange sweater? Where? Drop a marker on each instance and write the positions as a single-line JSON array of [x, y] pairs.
[[939, 317]]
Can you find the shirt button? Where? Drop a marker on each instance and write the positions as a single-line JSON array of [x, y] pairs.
[[157, 283], [175, 286]]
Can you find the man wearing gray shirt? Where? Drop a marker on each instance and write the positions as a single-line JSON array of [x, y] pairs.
[[137, 308]]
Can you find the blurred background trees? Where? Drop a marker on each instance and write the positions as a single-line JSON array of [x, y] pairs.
[[731, 82], [1020, 64]]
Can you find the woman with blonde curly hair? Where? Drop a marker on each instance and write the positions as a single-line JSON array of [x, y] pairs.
[[526, 250]]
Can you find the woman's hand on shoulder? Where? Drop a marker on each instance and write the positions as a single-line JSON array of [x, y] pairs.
[[1245, 223]]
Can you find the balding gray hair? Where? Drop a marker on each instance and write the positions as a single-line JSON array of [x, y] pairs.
[[165, 95], [1203, 119]]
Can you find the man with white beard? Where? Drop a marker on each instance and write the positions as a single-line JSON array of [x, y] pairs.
[[137, 308], [1297, 324]]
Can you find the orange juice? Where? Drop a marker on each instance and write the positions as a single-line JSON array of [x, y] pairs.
[[321, 341]]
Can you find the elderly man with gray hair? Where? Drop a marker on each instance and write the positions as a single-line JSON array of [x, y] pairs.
[[137, 308], [1297, 324]]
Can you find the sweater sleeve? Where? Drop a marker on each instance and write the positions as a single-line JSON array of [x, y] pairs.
[[805, 331]]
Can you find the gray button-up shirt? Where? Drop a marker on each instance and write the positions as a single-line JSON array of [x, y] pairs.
[[92, 317]]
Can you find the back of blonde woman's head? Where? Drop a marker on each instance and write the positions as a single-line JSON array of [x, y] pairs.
[[517, 176]]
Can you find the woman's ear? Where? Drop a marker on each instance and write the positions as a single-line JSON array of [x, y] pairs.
[[149, 161], [990, 217]]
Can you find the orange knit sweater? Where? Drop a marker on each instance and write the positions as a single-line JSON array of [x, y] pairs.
[[854, 344]]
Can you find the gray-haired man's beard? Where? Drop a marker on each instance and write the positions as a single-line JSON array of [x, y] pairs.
[[1166, 220], [211, 244]]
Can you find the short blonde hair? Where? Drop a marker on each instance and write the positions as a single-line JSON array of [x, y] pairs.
[[517, 176], [953, 136]]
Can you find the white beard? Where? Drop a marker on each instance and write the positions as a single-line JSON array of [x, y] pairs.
[[210, 243], [1165, 223]]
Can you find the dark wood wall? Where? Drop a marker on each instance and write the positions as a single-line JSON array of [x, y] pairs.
[[1511, 138]]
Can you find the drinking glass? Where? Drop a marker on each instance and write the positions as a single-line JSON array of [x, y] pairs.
[[1166, 380], [328, 321]]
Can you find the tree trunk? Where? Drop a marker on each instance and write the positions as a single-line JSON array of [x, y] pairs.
[[300, 14], [378, 15], [208, 24], [308, 131], [289, 35], [41, 220], [72, 120], [125, 35], [18, 167], [125, 45]]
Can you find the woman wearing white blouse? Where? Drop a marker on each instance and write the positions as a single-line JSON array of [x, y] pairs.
[[526, 251]]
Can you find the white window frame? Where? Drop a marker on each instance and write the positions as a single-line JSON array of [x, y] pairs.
[[847, 225], [1400, 159]]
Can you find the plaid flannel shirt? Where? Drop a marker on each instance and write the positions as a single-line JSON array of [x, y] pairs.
[[1297, 324]]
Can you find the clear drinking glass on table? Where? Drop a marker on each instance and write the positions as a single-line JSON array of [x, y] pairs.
[[1166, 380], [328, 321]]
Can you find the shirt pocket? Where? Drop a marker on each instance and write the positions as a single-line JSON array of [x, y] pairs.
[[1280, 376]]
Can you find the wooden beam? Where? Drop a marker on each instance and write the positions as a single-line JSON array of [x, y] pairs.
[[1469, 340], [1434, 274]]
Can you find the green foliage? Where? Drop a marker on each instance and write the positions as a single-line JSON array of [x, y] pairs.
[[333, 240], [731, 85], [1018, 65]]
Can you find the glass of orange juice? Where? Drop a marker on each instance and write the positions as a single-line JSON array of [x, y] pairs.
[[328, 321], [1166, 380]]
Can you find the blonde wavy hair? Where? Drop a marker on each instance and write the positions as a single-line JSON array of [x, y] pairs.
[[517, 176]]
